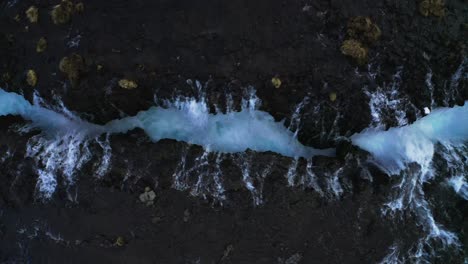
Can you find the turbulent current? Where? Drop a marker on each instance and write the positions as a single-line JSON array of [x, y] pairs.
[[188, 121]]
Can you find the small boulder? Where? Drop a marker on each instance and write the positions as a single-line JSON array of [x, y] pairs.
[[148, 196]]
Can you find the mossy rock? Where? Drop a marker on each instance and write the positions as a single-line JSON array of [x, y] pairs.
[[432, 7], [62, 13], [41, 45], [127, 84], [31, 78], [32, 14], [363, 29], [72, 66], [355, 49], [276, 82]]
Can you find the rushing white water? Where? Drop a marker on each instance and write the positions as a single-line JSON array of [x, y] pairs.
[[62, 148], [459, 185], [231, 132], [395, 148], [188, 121]]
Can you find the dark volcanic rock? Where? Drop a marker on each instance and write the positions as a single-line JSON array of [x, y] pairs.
[[178, 227], [228, 46]]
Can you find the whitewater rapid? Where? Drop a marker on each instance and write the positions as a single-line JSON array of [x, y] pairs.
[[188, 120], [397, 147]]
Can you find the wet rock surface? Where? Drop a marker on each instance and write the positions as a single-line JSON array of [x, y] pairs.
[[179, 227], [164, 47]]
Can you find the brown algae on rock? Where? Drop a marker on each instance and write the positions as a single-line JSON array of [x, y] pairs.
[[61, 13], [32, 14], [127, 84], [31, 78], [72, 66], [354, 49], [432, 7], [41, 45]]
